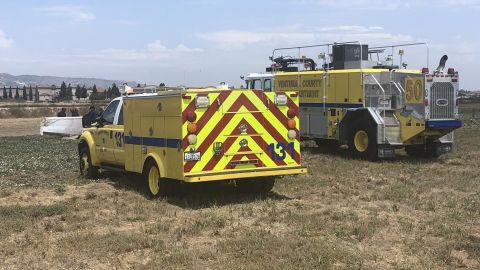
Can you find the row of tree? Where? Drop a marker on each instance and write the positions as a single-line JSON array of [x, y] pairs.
[[25, 96], [66, 93]]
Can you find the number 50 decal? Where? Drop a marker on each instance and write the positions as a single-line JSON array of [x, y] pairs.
[[414, 90], [283, 149]]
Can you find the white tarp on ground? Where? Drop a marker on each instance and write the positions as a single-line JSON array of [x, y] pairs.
[[63, 126]]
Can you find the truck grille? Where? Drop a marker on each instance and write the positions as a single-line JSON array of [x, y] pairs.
[[442, 102]]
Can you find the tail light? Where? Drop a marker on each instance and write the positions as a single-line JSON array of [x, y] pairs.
[[426, 102], [291, 113], [425, 70], [192, 128], [192, 139], [281, 99], [191, 116], [451, 71], [292, 134], [291, 123]]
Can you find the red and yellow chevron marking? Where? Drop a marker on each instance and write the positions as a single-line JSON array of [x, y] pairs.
[[267, 131]]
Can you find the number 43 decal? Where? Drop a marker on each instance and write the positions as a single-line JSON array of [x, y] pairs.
[[283, 149]]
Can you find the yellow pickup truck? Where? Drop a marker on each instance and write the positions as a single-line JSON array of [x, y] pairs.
[[195, 135]]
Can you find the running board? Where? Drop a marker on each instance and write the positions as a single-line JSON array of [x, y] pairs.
[[112, 168]]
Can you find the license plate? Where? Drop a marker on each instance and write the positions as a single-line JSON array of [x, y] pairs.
[[191, 156]]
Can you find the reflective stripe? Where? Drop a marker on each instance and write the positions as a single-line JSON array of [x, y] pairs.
[[332, 105], [264, 124], [159, 142]]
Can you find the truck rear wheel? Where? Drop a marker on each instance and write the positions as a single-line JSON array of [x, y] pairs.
[[431, 150], [155, 185], [363, 140], [86, 167], [417, 150], [261, 185]]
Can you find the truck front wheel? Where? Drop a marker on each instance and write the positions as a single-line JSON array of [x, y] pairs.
[[86, 167]]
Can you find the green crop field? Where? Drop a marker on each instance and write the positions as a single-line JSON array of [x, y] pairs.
[[407, 213]]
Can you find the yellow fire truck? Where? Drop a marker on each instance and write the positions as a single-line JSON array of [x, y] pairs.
[[371, 107], [197, 135]]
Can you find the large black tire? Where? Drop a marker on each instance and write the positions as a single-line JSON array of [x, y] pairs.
[[86, 167], [262, 185], [417, 150], [154, 184], [431, 149], [362, 140]]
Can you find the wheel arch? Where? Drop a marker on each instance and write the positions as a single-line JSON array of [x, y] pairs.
[[352, 115], [154, 157], [86, 140]]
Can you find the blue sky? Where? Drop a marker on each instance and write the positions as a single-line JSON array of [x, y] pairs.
[[204, 42]]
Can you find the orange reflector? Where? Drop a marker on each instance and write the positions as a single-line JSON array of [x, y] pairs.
[[291, 124], [192, 128]]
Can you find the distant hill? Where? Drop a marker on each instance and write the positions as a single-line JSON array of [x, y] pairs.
[[21, 80]]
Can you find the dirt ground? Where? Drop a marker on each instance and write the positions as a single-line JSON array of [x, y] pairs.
[[407, 213], [19, 127]]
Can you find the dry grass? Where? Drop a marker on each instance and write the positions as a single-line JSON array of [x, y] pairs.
[[345, 214]]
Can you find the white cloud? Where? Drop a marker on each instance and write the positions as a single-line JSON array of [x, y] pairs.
[[388, 4], [370, 34], [117, 54], [157, 46], [74, 13], [234, 39], [4, 41], [154, 50]]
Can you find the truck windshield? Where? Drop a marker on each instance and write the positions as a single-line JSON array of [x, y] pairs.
[[109, 113]]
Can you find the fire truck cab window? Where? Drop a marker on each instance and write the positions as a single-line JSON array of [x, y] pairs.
[[109, 113], [256, 84], [267, 85]]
